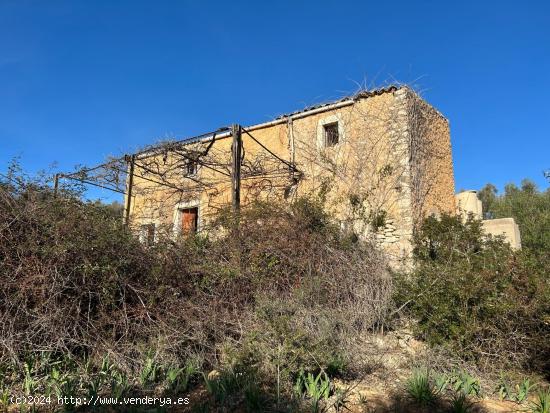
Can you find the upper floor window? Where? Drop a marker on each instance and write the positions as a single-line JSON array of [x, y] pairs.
[[331, 134], [191, 168]]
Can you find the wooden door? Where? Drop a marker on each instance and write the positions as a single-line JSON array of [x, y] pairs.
[[189, 220]]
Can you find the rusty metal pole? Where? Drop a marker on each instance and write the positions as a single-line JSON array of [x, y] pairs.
[[130, 184], [236, 154], [55, 185]]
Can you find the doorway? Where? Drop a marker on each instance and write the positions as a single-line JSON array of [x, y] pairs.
[[189, 220]]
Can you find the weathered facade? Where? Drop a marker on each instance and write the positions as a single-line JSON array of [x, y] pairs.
[[380, 160]]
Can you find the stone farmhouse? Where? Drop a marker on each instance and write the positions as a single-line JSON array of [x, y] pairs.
[[380, 160]]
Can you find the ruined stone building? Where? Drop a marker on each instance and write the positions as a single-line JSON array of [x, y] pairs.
[[468, 203], [380, 160]]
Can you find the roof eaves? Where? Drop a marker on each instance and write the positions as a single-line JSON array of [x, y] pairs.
[[361, 95], [352, 98]]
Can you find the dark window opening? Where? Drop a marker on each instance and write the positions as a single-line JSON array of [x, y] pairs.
[[189, 220], [191, 168], [148, 234], [331, 134]]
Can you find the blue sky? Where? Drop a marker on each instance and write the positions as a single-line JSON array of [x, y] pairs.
[[80, 80]]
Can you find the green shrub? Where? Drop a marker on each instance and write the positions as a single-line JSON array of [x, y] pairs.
[[476, 296]]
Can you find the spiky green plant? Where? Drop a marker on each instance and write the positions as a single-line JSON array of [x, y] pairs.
[[4, 397], [460, 403], [522, 390], [29, 382], [150, 371], [519, 393], [172, 376], [441, 382], [225, 385], [504, 390], [362, 399], [119, 384], [177, 378], [93, 385], [466, 383], [419, 388], [542, 402], [52, 381], [342, 400], [218, 387], [106, 366], [4, 388], [65, 384], [316, 388], [254, 398]]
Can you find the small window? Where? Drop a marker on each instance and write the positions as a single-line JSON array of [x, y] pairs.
[[147, 234], [191, 168], [189, 220], [331, 134]]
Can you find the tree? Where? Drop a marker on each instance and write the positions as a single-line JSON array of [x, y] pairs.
[[529, 206], [487, 196]]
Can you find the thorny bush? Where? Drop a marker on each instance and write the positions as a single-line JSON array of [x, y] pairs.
[[74, 280]]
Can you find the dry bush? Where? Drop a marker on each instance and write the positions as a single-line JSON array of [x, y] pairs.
[[322, 291], [285, 278], [70, 275], [74, 280]]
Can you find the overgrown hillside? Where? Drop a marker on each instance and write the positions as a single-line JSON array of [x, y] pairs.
[[278, 313]]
